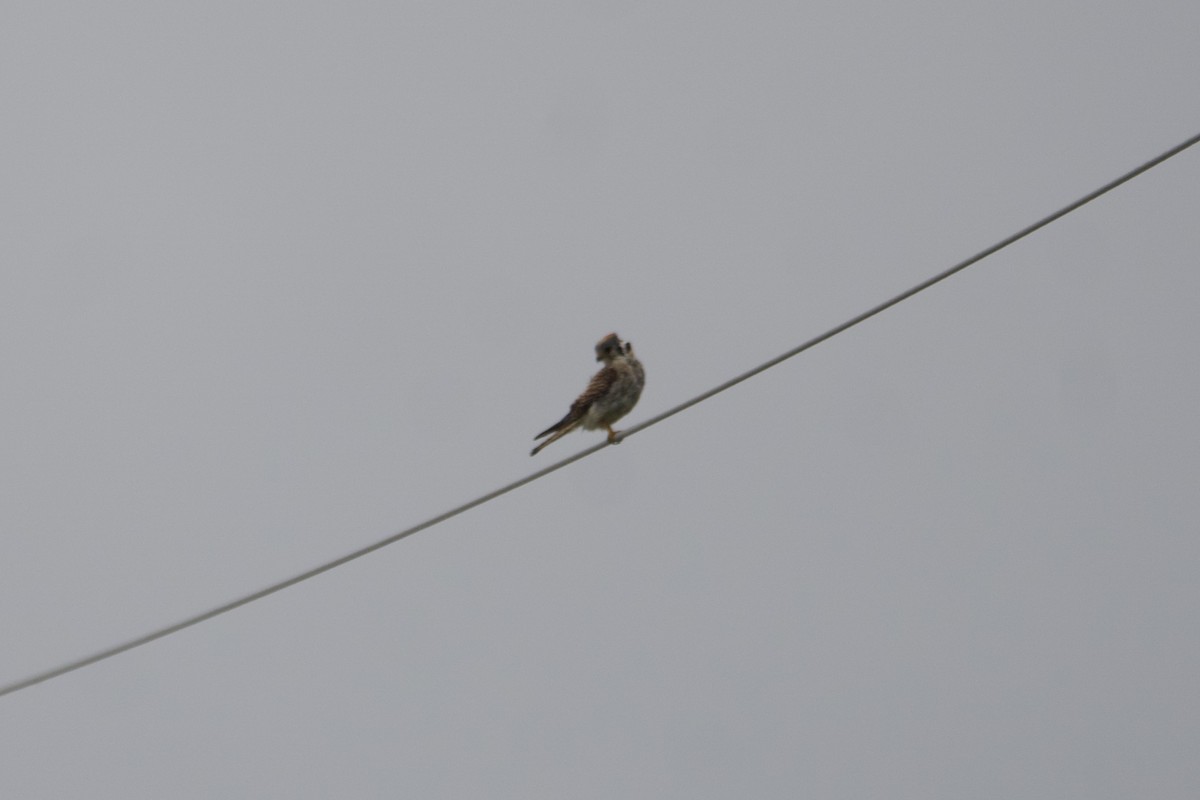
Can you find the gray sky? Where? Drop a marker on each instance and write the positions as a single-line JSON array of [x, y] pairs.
[[280, 279]]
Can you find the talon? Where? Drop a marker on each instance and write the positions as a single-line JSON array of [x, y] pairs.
[[615, 437]]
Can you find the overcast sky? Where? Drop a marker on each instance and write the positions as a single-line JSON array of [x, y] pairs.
[[280, 279]]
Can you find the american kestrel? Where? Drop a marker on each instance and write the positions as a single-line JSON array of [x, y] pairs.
[[612, 393]]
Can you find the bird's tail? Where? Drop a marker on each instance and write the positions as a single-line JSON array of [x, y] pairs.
[[559, 429], [562, 423]]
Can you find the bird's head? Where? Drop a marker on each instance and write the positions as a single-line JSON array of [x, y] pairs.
[[611, 347]]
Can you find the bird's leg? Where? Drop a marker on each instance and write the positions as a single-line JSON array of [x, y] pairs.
[[614, 437]]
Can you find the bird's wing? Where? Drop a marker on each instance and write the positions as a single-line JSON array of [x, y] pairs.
[[599, 386], [601, 382]]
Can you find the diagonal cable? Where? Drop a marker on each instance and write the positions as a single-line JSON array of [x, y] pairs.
[[440, 518]]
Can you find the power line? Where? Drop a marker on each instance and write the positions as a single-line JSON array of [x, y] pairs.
[[920, 287], [315, 571]]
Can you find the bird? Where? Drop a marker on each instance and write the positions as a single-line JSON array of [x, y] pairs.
[[611, 394]]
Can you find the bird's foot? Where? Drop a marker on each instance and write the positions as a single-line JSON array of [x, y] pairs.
[[615, 437]]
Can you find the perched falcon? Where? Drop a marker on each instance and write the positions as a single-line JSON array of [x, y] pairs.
[[612, 394]]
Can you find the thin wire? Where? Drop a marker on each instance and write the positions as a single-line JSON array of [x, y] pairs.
[[429, 523], [920, 287]]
